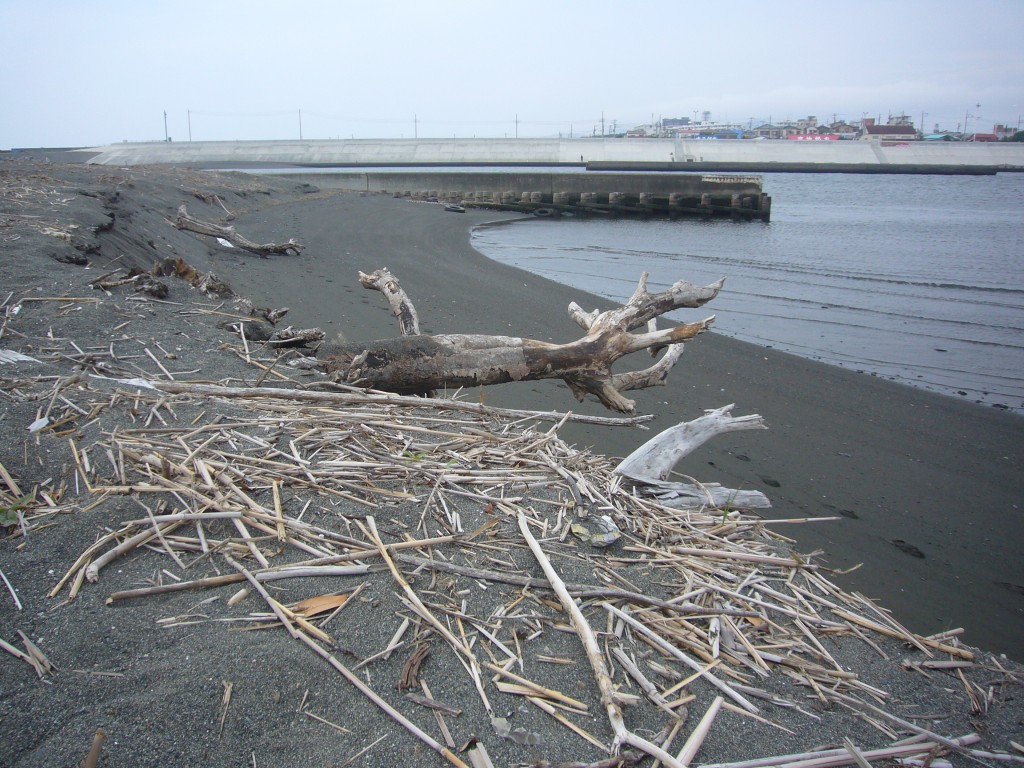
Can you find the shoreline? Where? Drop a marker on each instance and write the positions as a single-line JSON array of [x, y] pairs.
[[929, 487]]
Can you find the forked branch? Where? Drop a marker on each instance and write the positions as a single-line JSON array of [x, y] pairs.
[[416, 364], [188, 223]]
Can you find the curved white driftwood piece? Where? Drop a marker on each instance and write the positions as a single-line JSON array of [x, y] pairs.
[[653, 461], [401, 305]]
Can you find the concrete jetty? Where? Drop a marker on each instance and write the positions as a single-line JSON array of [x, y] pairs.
[[739, 197]]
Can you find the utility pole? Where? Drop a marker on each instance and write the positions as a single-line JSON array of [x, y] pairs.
[[602, 124], [300, 125], [190, 125], [166, 137]]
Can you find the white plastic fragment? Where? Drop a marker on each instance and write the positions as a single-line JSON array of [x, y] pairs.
[[10, 356]]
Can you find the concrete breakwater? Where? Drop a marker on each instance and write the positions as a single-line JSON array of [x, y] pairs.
[[543, 193]]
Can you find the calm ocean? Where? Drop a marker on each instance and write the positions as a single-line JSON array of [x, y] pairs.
[[919, 279]]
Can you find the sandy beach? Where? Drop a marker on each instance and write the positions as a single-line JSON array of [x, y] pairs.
[[928, 490]]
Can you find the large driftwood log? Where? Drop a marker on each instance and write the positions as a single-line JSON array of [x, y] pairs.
[[651, 464], [191, 224], [416, 364]]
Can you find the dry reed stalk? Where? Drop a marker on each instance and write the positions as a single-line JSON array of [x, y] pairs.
[[348, 675], [623, 736], [359, 396], [438, 716], [579, 731], [874, 626], [699, 733], [725, 603], [830, 758], [673, 651], [95, 750], [539, 690], [421, 610]]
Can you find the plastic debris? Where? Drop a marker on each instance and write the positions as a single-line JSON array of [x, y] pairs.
[[598, 532]]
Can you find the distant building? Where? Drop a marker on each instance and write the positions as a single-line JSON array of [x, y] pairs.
[[845, 130], [899, 132], [1004, 131], [766, 131]]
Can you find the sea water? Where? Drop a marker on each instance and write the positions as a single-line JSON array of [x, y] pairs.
[[919, 279]]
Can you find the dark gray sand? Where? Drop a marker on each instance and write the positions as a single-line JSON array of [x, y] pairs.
[[927, 488], [930, 489]]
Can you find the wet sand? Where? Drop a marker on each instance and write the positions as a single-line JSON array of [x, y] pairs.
[[929, 489]]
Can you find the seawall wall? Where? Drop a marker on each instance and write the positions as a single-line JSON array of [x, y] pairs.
[[676, 154]]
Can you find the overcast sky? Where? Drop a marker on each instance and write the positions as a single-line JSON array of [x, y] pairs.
[[81, 73]]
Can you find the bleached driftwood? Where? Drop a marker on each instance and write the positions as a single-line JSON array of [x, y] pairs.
[[652, 463], [191, 224], [415, 364], [401, 307]]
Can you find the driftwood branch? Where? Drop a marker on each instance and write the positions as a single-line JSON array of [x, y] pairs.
[[651, 464], [401, 307], [191, 224], [419, 363]]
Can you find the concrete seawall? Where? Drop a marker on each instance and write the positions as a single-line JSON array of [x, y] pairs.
[[639, 154]]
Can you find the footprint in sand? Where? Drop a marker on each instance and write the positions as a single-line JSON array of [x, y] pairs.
[[1017, 588], [910, 549]]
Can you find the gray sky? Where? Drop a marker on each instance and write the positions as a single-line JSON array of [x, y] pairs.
[[86, 73]]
